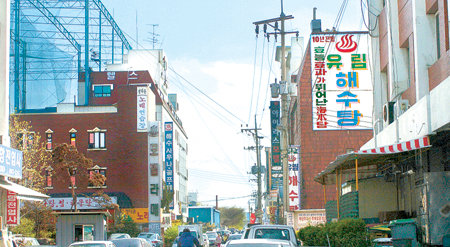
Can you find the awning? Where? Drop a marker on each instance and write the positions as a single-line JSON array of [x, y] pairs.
[[369, 159], [22, 192], [419, 143]]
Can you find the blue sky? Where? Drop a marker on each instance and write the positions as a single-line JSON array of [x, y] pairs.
[[212, 44]]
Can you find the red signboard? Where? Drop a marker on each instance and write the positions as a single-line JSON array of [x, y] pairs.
[[252, 218], [12, 208]]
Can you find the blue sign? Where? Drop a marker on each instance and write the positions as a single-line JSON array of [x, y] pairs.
[[10, 162], [168, 155]]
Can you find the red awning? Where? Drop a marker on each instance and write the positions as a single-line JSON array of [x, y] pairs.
[[419, 143]]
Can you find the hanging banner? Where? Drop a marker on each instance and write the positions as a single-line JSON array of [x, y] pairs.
[[294, 178], [277, 167], [142, 105], [168, 143], [342, 96]]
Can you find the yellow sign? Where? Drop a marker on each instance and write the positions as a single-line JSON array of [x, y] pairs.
[[138, 215]]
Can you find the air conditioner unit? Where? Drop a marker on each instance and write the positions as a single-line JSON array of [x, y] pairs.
[[401, 106], [388, 113]]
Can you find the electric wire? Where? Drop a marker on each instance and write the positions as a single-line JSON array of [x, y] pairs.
[[253, 80], [260, 76]]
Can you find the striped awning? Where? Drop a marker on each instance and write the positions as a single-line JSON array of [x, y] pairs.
[[418, 143]]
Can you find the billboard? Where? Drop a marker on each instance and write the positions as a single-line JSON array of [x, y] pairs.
[[342, 96], [276, 168], [294, 178], [168, 156], [66, 203]]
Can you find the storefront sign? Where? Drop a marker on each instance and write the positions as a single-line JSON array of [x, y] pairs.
[[138, 215], [277, 168], [65, 203], [141, 108], [12, 208], [341, 82], [294, 178], [10, 162]]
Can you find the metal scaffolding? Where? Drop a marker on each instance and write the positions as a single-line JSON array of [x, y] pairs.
[[53, 42]]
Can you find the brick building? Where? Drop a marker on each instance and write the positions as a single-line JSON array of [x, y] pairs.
[[114, 131]]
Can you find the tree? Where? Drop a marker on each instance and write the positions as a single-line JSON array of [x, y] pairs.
[[167, 198], [36, 159], [125, 224], [72, 167], [232, 217]]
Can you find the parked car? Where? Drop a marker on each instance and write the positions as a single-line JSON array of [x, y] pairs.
[[260, 243], [153, 238], [131, 242], [119, 236], [24, 241], [205, 237], [93, 244], [211, 237], [233, 237], [281, 232], [382, 242]]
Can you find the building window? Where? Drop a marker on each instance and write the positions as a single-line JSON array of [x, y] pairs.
[[73, 136], [95, 171], [102, 90], [49, 139], [83, 233], [97, 139]]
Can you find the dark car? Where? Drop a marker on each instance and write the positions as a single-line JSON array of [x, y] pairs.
[[131, 242]]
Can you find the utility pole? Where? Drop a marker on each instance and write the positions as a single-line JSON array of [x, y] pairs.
[[254, 132], [285, 99]]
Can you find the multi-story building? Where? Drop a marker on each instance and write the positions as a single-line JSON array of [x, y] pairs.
[[117, 130], [405, 165]]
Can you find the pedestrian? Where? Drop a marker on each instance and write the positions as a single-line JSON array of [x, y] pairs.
[[218, 240], [187, 240]]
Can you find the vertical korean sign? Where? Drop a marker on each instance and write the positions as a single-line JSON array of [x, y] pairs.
[[168, 157], [12, 208], [277, 168], [294, 178], [341, 82], [154, 175], [141, 108]]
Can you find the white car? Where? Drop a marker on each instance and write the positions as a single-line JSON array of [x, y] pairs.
[[119, 236], [260, 243], [93, 244]]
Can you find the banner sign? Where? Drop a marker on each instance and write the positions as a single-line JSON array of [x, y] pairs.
[[277, 167], [294, 178], [168, 142], [65, 203], [311, 217], [141, 108], [10, 162], [12, 208], [342, 95], [138, 215], [154, 172]]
